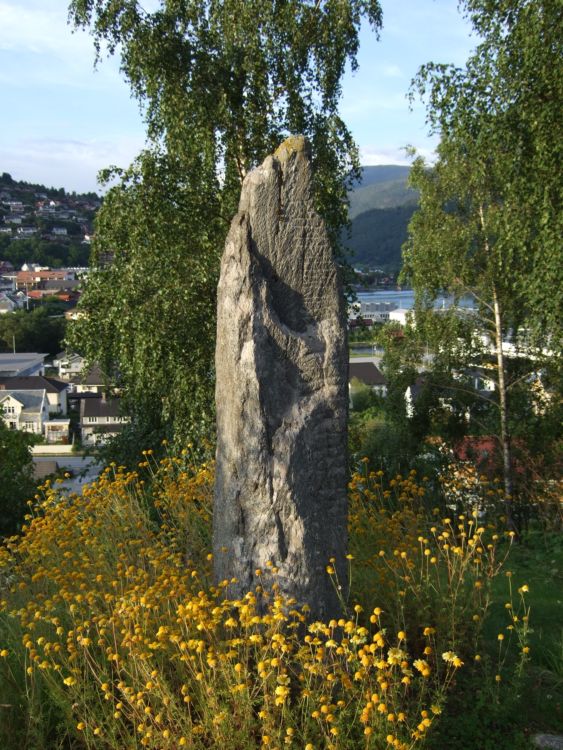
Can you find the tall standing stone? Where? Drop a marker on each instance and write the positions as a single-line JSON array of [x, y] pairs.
[[282, 391]]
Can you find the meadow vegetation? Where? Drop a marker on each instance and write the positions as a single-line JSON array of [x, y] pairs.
[[113, 635]]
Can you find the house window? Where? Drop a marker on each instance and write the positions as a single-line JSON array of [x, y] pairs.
[[92, 419], [10, 409]]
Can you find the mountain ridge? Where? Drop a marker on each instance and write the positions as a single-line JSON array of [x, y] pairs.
[[381, 206]]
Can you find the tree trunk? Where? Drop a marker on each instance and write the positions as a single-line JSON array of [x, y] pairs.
[[503, 406]]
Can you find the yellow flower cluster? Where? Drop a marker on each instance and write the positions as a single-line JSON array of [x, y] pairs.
[[111, 602]]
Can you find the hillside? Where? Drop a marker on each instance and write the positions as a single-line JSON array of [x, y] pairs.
[[381, 187], [377, 237], [380, 208], [28, 192], [45, 225]]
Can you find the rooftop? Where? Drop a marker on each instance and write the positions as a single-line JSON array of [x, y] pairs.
[[32, 382], [31, 401], [12, 364], [367, 373], [101, 407]]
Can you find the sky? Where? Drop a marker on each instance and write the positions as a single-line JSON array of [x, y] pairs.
[[62, 120]]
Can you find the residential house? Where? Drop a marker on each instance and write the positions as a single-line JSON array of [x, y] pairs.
[[55, 390], [29, 410], [61, 285], [26, 231], [46, 210], [34, 267], [37, 279], [23, 363], [24, 410], [7, 304], [16, 207], [100, 419], [369, 374], [93, 381], [6, 268], [70, 366]]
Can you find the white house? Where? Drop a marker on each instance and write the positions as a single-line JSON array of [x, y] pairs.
[[100, 419], [24, 410], [55, 391], [70, 366], [402, 315]]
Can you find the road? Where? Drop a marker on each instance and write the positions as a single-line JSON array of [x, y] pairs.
[[84, 469]]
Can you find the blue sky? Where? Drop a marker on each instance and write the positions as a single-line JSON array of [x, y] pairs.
[[61, 120]]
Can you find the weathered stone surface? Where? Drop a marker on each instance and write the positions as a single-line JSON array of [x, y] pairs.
[[548, 741], [282, 391]]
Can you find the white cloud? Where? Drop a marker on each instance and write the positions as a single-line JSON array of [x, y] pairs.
[[72, 164], [47, 49], [372, 156]]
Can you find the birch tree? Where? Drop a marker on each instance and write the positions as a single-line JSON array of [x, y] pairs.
[[489, 223], [220, 85]]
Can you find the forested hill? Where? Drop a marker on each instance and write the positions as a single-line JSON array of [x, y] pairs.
[[381, 206], [29, 192]]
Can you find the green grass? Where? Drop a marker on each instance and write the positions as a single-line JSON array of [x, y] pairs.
[[538, 562], [482, 719]]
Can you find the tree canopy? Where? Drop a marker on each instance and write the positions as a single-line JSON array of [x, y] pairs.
[[16, 479], [220, 84], [500, 124], [489, 223], [38, 330]]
